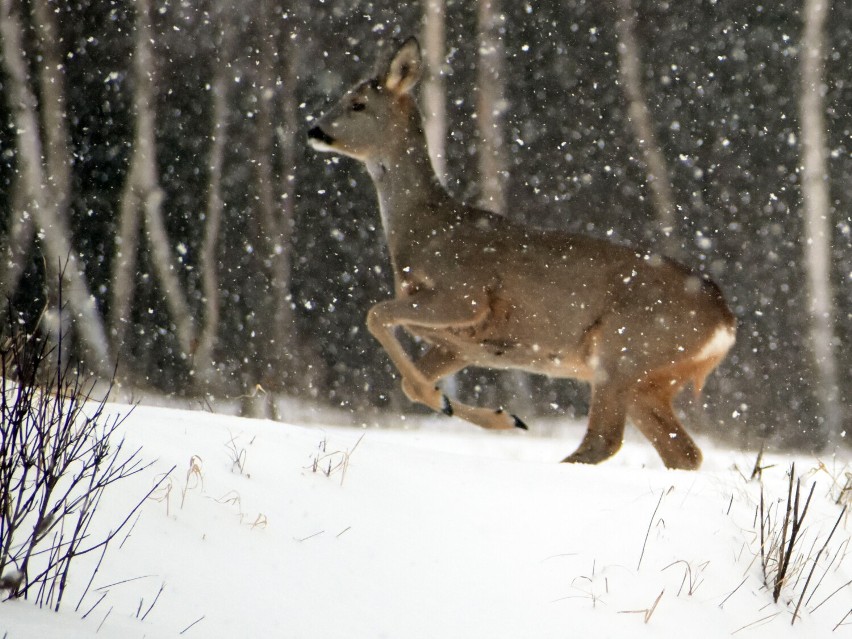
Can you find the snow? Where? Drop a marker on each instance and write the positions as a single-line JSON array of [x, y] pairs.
[[439, 530]]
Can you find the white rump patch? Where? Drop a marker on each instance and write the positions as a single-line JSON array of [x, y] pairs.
[[721, 342]]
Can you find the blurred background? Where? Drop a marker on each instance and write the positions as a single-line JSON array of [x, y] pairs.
[[153, 156]]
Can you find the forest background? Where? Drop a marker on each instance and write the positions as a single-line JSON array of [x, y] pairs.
[[152, 154]]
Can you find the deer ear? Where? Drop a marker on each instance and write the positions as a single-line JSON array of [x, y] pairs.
[[405, 68]]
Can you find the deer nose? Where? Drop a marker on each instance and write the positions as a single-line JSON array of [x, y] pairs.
[[318, 134]]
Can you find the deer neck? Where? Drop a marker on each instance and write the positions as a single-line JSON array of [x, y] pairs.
[[410, 195]]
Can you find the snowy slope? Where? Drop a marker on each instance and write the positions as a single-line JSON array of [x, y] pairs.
[[440, 531]]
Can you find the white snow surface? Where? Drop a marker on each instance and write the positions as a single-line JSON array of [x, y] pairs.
[[441, 530]]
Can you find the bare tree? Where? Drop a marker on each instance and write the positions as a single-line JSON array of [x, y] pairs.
[[817, 217], [275, 137], [56, 148], [493, 158], [13, 259], [639, 116], [274, 367], [203, 358], [302, 369], [490, 105], [39, 187], [434, 90], [143, 197]]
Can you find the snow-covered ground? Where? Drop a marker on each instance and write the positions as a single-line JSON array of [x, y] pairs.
[[442, 530]]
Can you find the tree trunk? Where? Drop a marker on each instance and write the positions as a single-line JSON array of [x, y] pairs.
[[13, 258], [490, 105], [639, 116], [203, 363], [816, 211], [124, 263], [305, 367], [53, 109], [143, 197], [434, 88], [61, 258], [57, 152], [276, 212], [493, 162]]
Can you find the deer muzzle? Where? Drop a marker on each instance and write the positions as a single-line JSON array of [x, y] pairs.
[[319, 139]]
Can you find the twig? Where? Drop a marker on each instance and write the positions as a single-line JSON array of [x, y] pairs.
[[757, 471], [648, 532], [733, 591], [91, 579], [794, 533], [95, 606], [654, 606], [779, 575], [127, 536], [647, 612], [104, 619], [192, 624], [753, 623], [123, 581], [840, 623], [762, 536], [151, 607], [687, 574], [848, 583], [813, 567], [310, 536]]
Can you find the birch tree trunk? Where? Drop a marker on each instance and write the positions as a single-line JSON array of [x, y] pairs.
[[816, 211], [13, 258], [434, 88], [490, 105], [53, 109], [493, 156], [203, 364], [303, 369], [276, 221], [639, 116], [57, 152], [61, 258], [143, 197]]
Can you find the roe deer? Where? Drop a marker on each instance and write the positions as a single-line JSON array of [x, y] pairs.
[[481, 290]]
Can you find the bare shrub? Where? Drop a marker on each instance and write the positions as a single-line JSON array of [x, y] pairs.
[[58, 455], [788, 563]]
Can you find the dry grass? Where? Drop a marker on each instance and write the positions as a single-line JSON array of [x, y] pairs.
[[794, 558], [648, 612], [329, 463]]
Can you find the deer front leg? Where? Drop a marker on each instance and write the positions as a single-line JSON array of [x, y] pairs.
[[435, 364], [438, 362], [432, 310]]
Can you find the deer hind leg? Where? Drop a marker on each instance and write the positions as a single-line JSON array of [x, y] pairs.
[[429, 309], [607, 417], [651, 412]]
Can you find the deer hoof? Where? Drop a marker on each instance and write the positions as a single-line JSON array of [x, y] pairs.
[[446, 406], [581, 458], [588, 456]]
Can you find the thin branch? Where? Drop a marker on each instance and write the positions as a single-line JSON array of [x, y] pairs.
[[648, 532]]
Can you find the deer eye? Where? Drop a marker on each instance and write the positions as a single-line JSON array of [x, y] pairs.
[[358, 106]]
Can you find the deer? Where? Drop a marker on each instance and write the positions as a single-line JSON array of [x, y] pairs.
[[480, 290]]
